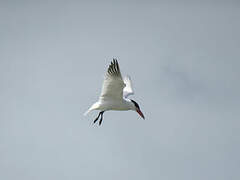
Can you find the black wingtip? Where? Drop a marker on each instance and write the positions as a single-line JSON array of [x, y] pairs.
[[113, 68], [115, 61]]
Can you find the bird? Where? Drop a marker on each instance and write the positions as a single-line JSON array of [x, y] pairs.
[[114, 94]]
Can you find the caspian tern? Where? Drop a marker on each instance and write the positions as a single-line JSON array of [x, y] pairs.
[[114, 94]]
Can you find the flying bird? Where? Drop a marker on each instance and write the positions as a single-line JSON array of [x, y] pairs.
[[115, 91]]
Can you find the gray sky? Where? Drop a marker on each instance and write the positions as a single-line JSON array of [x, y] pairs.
[[184, 62]]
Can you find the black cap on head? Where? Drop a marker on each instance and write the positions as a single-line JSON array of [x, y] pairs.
[[138, 108], [135, 103]]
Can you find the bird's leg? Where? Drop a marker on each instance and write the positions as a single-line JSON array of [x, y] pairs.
[[100, 122], [97, 118]]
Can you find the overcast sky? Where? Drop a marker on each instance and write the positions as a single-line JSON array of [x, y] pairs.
[[183, 58]]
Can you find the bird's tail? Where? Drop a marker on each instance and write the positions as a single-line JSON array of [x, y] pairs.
[[86, 112], [93, 107]]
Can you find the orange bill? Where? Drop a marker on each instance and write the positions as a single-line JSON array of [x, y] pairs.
[[140, 113]]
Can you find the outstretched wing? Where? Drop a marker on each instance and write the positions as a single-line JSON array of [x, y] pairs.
[[128, 90], [113, 83]]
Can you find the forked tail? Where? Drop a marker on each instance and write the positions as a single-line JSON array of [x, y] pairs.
[[86, 112], [93, 107]]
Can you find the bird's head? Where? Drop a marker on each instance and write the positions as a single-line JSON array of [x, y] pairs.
[[137, 108]]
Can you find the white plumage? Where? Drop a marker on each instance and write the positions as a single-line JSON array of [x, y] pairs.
[[114, 93], [127, 90]]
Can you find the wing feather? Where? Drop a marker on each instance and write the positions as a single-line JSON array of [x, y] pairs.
[[113, 83], [128, 90]]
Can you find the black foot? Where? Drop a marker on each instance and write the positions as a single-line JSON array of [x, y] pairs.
[[97, 118], [100, 114], [100, 122]]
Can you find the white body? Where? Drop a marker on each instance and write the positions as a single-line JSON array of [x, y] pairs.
[[115, 91], [112, 104]]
